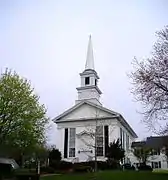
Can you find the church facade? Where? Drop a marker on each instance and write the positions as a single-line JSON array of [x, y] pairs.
[[88, 127]]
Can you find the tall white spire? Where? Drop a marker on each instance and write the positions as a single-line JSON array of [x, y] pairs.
[[89, 60], [89, 90]]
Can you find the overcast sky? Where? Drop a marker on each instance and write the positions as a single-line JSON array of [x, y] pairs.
[[46, 42]]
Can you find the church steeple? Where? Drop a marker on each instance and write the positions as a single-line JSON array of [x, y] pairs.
[[89, 59], [89, 80]]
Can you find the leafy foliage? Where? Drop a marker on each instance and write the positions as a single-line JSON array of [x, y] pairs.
[[22, 119], [142, 154], [55, 155], [166, 152], [115, 151], [149, 80], [61, 165]]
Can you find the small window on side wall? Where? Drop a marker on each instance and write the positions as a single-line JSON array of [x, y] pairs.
[[87, 80], [95, 82]]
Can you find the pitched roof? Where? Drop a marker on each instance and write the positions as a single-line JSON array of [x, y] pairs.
[[56, 119], [154, 142], [138, 144], [157, 141], [113, 114]]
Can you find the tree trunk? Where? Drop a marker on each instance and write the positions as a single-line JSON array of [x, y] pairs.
[[38, 166], [22, 160]]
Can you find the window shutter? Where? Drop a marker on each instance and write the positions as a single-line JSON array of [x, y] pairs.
[[66, 143], [106, 140], [121, 137]]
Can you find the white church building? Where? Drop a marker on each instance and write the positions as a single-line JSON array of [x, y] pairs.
[[88, 127]]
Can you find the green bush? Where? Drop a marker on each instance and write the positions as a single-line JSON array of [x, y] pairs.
[[62, 165], [24, 171], [81, 168], [114, 165], [27, 176], [101, 165], [54, 155], [49, 170]]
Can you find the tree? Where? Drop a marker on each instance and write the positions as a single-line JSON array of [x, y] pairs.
[[149, 79], [166, 153], [142, 154], [115, 152], [22, 119], [54, 155]]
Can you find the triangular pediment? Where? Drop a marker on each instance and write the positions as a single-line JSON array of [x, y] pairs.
[[85, 111]]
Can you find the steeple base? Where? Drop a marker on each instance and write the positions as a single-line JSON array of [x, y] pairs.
[[93, 100]]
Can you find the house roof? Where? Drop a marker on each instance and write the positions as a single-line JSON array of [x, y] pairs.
[[157, 141], [154, 142], [138, 144], [113, 114]]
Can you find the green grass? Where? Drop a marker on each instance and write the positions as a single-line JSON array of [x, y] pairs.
[[111, 175], [160, 171]]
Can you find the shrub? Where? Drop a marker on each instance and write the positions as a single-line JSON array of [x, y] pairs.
[[44, 169], [101, 165], [81, 168], [24, 171], [62, 165], [113, 165], [27, 176], [128, 167], [144, 167], [54, 156]]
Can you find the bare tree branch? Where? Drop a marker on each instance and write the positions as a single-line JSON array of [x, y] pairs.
[[150, 83]]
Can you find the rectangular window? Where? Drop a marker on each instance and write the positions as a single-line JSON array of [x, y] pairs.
[[95, 82], [127, 142], [87, 80], [99, 140], [99, 151], [72, 137], [71, 152]]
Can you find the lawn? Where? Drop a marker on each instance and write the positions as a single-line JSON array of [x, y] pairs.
[[111, 175]]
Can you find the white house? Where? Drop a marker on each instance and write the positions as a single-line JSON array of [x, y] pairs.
[[88, 117], [157, 158]]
